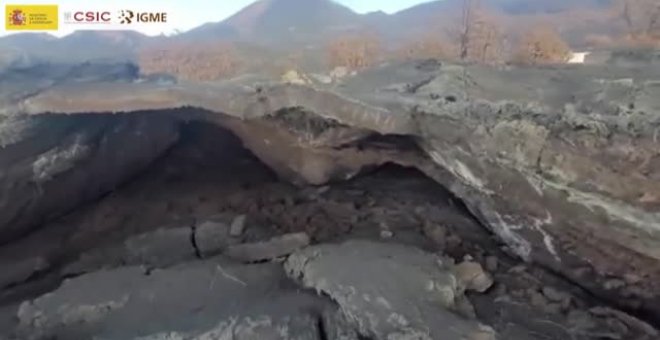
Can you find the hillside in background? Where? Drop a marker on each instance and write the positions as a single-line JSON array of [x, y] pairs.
[[293, 20], [78, 46], [545, 6], [298, 32], [296, 22]]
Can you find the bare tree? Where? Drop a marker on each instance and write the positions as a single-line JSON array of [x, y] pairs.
[[486, 42], [200, 62], [542, 45], [479, 37], [641, 17], [429, 46], [354, 52], [467, 23]]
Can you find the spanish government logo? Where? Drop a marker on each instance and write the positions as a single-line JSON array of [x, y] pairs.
[[31, 17]]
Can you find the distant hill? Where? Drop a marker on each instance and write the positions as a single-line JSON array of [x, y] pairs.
[[543, 6], [76, 47], [510, 6], [435, 9], [574, 19], [305, 25], [210, 31], [274, 22]]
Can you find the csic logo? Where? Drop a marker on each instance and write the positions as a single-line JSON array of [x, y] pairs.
[[17, 18], [127, 17], [88, 17]]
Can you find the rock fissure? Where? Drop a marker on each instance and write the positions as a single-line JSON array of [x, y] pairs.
[[193, 239], [323, 335]]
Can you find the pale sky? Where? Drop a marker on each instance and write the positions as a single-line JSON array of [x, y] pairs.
[[186, 14]]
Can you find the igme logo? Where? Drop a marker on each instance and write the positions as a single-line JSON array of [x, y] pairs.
[[128, 17]]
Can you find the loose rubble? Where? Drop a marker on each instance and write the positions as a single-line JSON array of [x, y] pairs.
[[472, 276], [211, 238], [237, 226], [414, 201], [368, 204]]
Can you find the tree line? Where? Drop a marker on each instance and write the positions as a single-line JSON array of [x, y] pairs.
[[477, 36]]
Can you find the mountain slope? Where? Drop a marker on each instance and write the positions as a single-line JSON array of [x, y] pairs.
[[276, 22], [572, 17], [79, 46], [507, 6], [208, 32], [543, 6]]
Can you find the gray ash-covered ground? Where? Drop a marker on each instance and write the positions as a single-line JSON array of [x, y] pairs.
[[209, 178]]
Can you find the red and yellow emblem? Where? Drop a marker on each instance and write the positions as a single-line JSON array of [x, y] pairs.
[[31, 17], [17, 18]]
